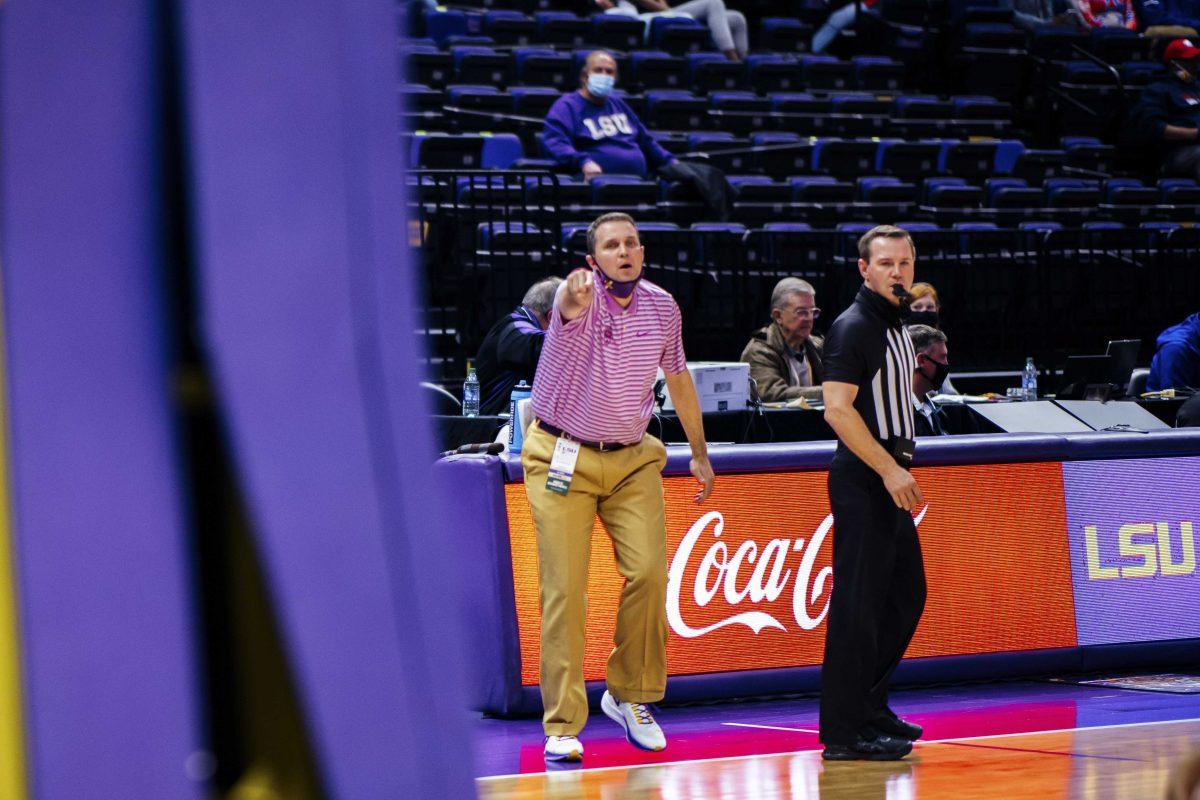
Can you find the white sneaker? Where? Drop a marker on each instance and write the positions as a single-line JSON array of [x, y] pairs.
[[640, 728], [563, 748]]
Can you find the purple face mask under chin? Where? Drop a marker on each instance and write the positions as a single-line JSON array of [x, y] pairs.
[[619, 289]]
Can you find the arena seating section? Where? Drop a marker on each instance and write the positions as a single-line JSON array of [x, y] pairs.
[[995, 146]]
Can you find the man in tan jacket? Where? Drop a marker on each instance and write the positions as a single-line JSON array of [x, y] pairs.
[[784, 357]]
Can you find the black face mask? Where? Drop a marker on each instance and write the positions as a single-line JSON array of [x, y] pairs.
[[929, 318], [940, 371]]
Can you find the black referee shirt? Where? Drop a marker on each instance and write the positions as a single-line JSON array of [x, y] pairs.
[[869, 347]]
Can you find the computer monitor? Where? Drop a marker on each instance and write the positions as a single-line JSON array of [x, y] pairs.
[[1086, 378], [1124, 354]]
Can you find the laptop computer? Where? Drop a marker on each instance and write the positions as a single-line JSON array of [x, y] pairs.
[[1124, 354]]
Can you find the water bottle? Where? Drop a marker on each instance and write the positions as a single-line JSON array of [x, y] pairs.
[[516, 434], [1029, 380], [471, 393]]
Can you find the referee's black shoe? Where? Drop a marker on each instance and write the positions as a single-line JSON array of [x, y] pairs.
[[869, 746], [889, 723]]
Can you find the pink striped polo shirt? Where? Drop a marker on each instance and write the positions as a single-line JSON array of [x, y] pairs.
[[595, 377]]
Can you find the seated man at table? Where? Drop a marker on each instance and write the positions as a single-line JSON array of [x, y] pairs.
[[933, 364], [1176, 364], [511, 349], [785, 357]]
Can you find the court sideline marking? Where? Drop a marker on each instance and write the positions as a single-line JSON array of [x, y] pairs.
[[817, 750]]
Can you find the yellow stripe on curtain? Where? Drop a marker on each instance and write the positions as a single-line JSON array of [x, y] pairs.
[[12, 729]]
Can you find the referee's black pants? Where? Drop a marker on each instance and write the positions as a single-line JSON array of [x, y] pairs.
[[877, 598]]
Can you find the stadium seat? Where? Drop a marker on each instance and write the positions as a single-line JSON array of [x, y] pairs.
[[844, 157], [447, 151], [1129, 192], [739, 101], [675, 109], [713, 72], [760, 189], [919, 226], [481, 65], [1007, 153], [1118, 45], [784, 35], [784, 158], [860, 103], [654, 69], [1141, 73], [921, 106], [488, 190], [617, 31], [877, 73], [1103, 226], [1035, 165], [798, 102], [1040, 225], [539, 66], [1011, 193], [562, 27], [787, 227], [1179, 191], [772, 72], [950, 192], [825, 72], [440, 25], [678, 35], [533, 101], [967, 159], [623, 190], [1082, 73], [478, 98], [509, 27], [1056, 42], [510, 236], [978, 107], [421, 101], [429, 65], [908, 159], [821, 189], [713, 140], [500, 150], [886, 189], [1071, 193], [1089, 153]]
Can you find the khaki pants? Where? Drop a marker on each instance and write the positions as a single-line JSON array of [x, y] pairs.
[[625, 488]]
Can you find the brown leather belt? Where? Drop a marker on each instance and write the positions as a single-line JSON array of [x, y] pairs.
[[603, 447]]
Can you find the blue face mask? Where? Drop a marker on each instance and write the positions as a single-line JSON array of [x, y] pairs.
[[599, 84]]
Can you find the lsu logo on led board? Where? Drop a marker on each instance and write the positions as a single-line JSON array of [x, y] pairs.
[[1146, 549]]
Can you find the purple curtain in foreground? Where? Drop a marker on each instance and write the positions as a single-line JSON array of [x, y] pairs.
[[308, 314], [105, 599]]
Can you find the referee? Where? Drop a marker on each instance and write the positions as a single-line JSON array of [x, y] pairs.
[[878, 575]]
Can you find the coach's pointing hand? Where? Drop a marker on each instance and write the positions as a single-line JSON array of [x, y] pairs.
[[575, 294]]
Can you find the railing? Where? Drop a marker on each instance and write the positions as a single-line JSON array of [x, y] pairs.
[[1006, 294]]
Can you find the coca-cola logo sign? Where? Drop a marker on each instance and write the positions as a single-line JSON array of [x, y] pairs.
[[748, 577]]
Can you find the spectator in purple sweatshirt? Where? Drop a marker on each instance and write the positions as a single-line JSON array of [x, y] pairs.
[[592, 132]]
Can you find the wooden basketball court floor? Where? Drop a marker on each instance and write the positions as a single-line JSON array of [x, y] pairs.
[[1021, 739]]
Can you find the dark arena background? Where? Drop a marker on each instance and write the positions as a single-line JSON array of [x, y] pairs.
[[249, 253]]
